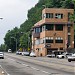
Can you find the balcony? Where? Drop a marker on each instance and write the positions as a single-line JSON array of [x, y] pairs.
[[36, 35]]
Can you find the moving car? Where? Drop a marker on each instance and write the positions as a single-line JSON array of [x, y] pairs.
[[71, 58], [32, 54], [2, 55], [26, 53]]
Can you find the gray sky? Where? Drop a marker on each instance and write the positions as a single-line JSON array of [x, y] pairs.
[[14, 13]]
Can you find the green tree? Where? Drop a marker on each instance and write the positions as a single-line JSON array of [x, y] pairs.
[[24, 41], [11, 42], [2, 47]]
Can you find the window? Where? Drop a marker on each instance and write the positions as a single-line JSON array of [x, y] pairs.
[[37, 42], [49, 26], [59, 40], [59, 27], [49, 39], [43, 16], [37, 30], [43, 28], [49, 15], [59, 16]]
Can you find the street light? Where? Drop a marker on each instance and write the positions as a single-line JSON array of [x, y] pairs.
[[16, 42]]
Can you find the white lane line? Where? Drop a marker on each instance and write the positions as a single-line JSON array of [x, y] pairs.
[[4, 71], [26, 65], [45, 71], [35, 69]]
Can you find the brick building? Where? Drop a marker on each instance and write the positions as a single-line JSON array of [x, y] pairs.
[[55, 32]]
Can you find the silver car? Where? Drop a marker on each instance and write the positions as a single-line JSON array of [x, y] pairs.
[[25, 53], [2, 55]]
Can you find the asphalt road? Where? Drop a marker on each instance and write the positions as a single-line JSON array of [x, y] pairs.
[[24, 65]]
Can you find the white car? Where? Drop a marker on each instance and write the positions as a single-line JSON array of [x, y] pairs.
[[32, 54], [71, 58], [60, 56], [51, 55], [9, 50], [25, 53], [2, 55], [18, 53]]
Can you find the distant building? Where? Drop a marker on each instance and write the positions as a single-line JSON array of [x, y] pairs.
[[55, 32]]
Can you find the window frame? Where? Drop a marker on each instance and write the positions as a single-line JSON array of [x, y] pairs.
[[58, 27], [58, 40], [59, 15]]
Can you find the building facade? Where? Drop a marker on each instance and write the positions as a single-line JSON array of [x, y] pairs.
[[55, 32]]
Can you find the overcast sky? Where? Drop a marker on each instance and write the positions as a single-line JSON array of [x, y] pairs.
[[14, 13]]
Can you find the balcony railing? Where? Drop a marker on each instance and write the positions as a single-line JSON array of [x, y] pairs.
[[36, 35]]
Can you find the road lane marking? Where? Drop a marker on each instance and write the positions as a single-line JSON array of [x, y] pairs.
[[35, 69], [45, 71], [4, 71]]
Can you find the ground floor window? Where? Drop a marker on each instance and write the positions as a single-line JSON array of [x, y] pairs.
[[58, 40], [49, 41]]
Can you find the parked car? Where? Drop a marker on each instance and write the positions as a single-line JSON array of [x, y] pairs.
[[71, 58], [60, 56], [68, 54], [26, 53], [51, 55], [9, 50], [32, 54], [2, 55], [18, 53]]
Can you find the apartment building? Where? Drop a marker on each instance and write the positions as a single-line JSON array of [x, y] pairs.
[[55, 32]]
